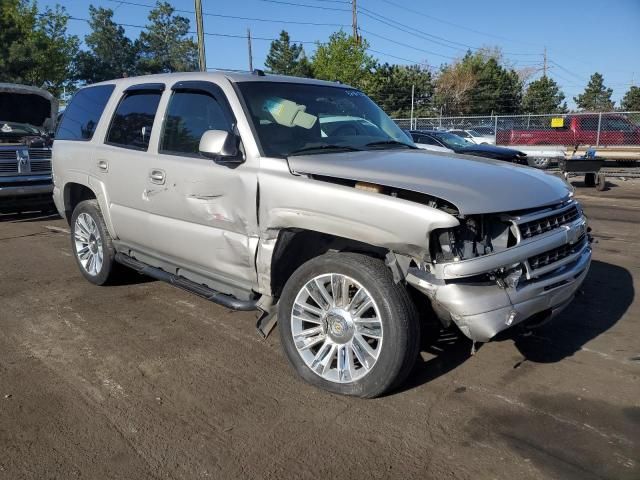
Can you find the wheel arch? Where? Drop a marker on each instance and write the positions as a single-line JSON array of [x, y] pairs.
[[293, 247], [73, 194]]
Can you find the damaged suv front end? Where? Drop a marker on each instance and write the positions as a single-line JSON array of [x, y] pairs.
[[495, 271], [518, 247]]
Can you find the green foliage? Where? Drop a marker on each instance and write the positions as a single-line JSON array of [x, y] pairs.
[[631, 100], [111, 53], [35, 48], [285, 58], [543, 96], [596, 97], [166, 46], [343, 58], [390, 87], [478, 84]]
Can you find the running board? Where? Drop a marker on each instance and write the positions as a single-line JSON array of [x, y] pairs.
[[185, 284]]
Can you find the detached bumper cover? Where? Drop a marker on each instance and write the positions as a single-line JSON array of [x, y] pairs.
[[482, 311]]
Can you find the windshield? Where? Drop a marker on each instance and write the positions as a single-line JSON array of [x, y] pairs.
[[453, 141], [296, 118], [474, 133]]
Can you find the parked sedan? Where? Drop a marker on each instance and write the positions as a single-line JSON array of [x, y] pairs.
[[437, 138], [475, 137]]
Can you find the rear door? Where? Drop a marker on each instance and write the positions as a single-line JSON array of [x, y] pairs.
[[123, 161]]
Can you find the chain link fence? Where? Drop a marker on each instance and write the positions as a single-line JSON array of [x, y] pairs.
[[588, 129]]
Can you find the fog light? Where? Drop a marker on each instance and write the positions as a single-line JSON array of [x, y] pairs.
[[511, 317]]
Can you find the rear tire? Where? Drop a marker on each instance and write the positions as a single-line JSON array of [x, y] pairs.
[[91, 243], [334, 340], [601, 182]]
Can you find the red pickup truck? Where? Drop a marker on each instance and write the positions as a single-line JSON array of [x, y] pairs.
[[615, 129]]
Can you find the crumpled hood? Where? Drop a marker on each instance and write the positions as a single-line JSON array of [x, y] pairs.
[[474, 185]]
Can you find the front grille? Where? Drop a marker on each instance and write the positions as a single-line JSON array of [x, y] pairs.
[[40, 165], [8, 155], [9, 167], [39, 153], [546, 224], [557, 254]]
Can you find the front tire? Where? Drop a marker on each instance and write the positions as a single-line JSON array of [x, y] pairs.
[[346, 327], [91, 243]]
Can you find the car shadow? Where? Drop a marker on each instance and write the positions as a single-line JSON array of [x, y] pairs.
[[604, 298]]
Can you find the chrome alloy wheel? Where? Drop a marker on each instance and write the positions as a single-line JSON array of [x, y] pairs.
[[88, 244], [337, 328]]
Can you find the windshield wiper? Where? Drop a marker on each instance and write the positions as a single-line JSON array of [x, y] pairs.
[[389, 142], [325, 149]]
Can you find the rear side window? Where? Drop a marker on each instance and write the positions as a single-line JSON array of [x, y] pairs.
[[131, 123], [83, 113], [189, 115]]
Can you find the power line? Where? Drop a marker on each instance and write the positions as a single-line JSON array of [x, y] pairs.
[[233, 17], [406, 44], [292, 4], [207, 34], [416, 12], [394, 56], [426, 36]]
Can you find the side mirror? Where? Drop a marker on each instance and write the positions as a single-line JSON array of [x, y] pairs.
[[220, 146]]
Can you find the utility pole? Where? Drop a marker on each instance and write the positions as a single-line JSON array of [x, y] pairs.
[[250, 53], [202, 59], [354, 20], [544, 68], [413, 90]]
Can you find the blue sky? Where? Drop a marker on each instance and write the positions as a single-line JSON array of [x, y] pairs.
[[581, 36]]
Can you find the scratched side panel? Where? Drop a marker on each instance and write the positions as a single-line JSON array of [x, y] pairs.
[[205, 215]]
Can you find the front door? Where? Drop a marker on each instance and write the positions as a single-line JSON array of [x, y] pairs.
[[202, 214]]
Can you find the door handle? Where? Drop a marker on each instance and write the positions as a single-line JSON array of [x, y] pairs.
[[157, 176], [103, 165]]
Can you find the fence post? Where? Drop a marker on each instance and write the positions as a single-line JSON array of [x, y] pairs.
[[599, 124], [495, 127]]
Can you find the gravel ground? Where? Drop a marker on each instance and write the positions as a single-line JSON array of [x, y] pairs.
[[142, 380]]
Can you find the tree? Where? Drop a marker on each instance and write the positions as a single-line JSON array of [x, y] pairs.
[[390, 87], [285, 58], [478, 84], [596, 97], [631, 100], [165, 45], [543, 96], [343, 58], [111, 53], [35, 48]]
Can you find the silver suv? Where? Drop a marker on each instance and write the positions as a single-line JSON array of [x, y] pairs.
[[303, 200]]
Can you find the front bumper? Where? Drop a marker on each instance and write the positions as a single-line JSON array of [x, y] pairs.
[[482, 311], [25, 186]]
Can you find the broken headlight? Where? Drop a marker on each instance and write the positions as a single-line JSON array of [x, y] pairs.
[[475, 236]]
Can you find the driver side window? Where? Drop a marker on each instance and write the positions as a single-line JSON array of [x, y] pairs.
[[189, 115]]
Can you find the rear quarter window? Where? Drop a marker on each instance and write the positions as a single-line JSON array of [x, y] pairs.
[[83, 113]]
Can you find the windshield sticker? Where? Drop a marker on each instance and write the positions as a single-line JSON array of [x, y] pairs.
[[6, 128]]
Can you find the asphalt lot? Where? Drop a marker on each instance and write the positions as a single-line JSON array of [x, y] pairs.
[[142, 380]]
